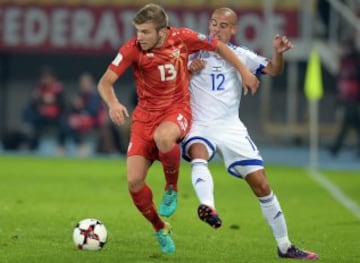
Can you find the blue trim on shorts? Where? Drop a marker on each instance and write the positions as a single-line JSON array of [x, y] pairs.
[[207, 142], [250, 162]]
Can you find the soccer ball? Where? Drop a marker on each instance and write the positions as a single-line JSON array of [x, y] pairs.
[[90, 234]]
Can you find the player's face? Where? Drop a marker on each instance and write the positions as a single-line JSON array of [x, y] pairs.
[[222, 26], [147, 35]]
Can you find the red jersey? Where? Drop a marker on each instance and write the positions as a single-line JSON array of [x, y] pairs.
[[161, 74]]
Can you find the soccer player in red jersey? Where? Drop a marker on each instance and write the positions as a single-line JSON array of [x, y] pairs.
[[162, 117]]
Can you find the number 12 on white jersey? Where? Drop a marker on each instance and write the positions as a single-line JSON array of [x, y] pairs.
[[217, 81]]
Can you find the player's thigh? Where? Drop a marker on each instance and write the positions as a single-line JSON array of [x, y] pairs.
[[199, 150], [171, 129], [167, 132], [240, 154], [181, 117], [201, 138], [141, 143]]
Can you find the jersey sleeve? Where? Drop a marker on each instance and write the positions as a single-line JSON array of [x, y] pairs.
[[196, 41], [254, 62], [124, 58], [193, 57]]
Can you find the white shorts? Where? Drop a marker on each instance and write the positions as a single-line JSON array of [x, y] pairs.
[[231, 141]]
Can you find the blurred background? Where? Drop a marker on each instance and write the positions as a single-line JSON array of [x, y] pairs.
[[61, 43]]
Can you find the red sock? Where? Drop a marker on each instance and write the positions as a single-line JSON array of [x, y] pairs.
[[144, 203], [171, 164]]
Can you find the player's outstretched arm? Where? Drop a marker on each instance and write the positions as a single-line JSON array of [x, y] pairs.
[[275, 66], [117, 111], [249, 80]]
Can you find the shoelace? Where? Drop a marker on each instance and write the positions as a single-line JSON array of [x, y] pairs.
[[161, 239], [297, 252], [167, 197]]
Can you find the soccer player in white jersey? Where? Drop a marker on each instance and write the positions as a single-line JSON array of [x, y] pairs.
[[215, 100]]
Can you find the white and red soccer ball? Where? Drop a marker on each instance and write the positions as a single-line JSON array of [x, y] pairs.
[[90, 234]]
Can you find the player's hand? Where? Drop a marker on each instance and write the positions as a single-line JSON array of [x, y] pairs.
[[249, 81], [197, 65], [282, 44], [117, 113]]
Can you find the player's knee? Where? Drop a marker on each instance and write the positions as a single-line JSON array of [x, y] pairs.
[[198, 151], [164, 141], [134, 184], [262, 189], [258, 183], [164, 144]]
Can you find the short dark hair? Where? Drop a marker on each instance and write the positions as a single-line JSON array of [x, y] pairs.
[[228, 11], [152, 13]]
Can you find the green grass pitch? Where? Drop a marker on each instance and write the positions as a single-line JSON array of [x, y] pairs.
[[43, 198]]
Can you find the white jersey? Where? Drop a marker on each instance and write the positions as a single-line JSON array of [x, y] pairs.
[[216, 90], [215, 101]]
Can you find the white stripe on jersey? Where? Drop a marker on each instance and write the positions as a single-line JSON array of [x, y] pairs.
[[216, 90]]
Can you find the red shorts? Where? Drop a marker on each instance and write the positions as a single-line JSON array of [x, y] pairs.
[[144, 124]]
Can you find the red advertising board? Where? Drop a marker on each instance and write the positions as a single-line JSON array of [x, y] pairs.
[[101, 30]]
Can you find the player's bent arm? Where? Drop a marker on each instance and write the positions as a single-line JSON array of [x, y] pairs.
[[275, 66], [249, 80], [281, 45], [117, 111], [226, 53]]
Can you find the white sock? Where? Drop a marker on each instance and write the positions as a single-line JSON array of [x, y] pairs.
[[274, 216], [202, 182]]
